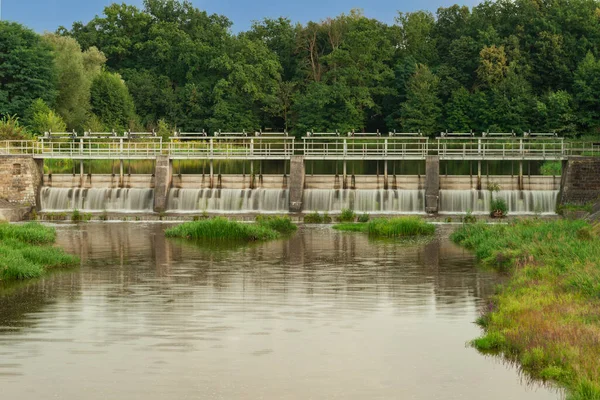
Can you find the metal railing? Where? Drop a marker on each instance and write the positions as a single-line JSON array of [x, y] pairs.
[[315, 148]]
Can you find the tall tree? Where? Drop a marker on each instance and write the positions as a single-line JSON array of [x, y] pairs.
[[111, 101], [422, 109], [26, 69]]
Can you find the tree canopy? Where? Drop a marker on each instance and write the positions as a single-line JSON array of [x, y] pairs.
[[502, 65]]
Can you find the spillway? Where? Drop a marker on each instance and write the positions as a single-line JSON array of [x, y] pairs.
[[372, 201], [97, 199], [518, 201], [228, 200]]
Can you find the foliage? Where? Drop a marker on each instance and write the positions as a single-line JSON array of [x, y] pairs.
[[11, 129], [551, 168], [316, 218], [26, 69], [469, 218], [220, 229], [363, 218], [498, 208], [280, 224], [399, 227], [111, 101], [347, 215], [26, 251], [546, 317], [43, 119], [76, 70]]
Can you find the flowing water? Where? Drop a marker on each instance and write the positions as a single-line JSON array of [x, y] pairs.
[[97, 199], [372, 201], [519, 202], [323, 315], [228, 200]]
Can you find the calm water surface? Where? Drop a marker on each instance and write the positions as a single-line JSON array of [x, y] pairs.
[[324, 315]]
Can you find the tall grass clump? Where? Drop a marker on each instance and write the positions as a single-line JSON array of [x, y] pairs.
[[351, 227], [547, 316], [221, 229], [26, 251], [399, 227], [347, 215], [282, 225]]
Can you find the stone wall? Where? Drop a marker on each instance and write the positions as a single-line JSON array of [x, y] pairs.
[[432, 184], [162, 182], [580, 180], [297, 175], [20, 179]]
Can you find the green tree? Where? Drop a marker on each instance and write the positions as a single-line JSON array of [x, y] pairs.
[[422, 108], [111, 101], [76, 71], [43, 119], [26, 69], [458, 111], [587, 93]]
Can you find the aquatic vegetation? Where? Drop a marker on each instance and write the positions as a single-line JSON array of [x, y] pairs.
[[217, 229], [399, 227], [26, 251], [499, 208], [316, 218], [547, 316], [280, 224], [363, 218], [347, 215]]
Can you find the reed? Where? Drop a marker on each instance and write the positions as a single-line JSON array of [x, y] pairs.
[[221, 229], [282, 225], [547, 316], [351, 227]]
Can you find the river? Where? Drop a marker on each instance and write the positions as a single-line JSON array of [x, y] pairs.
[[323, 315]]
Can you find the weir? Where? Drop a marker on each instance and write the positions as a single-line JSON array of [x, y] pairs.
[[252, 189]]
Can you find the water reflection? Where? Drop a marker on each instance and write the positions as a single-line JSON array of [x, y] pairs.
[[322, 315]]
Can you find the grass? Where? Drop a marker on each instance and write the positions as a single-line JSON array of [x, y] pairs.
[[221, 229], [26, 251], [547, 316], [282, 225], [399, 227], [316, 218], [347, 215], [390, 228]]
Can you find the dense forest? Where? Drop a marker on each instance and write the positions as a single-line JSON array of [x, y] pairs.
[[501, 66]]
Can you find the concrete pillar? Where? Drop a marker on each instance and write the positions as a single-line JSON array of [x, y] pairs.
[[521, 183], [432, 184], [252, 182], [211, 176], [385, 174], [296, 183], [121, 173], [479, 175], [345, 183], [81, 175], [162, 182]]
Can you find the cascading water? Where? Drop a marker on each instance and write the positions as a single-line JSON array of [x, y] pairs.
[[228, 200], [97, 199], [518, 201], [373, 201]]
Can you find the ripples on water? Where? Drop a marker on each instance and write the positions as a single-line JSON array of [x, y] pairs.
[[325, 314]]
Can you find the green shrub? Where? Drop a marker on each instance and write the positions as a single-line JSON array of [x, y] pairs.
[[313, 218], [347, 215], [469, 218], [363, 218], [399, 227], [498, 208], [551, 168], [218, 229], [76, 216], [31, 232]]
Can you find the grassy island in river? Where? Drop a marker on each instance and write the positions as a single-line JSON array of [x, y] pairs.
[[547, 316], [390, 228], [222, 229], [26, 251]]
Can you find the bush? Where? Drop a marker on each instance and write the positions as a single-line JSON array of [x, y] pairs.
[[347, 215], [469, 218], [399, 227], [218, 229], [551, 168], [76, 216], [363, 218], [498, 208]]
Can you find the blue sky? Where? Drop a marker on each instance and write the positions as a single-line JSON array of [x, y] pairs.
[[47, 15]]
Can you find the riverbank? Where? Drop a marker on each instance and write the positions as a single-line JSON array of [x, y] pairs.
[[26, 251], [547, 316]]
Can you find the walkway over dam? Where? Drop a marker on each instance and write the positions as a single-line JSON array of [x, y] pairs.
[[236, 146], [23, 179]]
